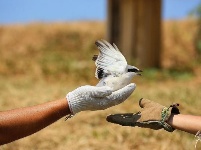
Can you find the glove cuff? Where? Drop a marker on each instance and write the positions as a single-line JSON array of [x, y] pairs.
[[74, 103], [165, 115]]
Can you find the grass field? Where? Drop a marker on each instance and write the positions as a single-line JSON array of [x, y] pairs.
[[43, 62]]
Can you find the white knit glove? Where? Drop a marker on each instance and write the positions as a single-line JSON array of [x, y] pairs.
[[97, 98]]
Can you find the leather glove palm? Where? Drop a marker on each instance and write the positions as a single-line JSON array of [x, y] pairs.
[[153, 115]]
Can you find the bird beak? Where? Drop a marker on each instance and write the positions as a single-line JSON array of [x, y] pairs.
[[138, 72]]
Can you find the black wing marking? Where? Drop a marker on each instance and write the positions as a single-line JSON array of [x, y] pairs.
[[100, 73]]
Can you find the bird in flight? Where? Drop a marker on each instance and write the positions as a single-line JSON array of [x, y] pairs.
[[111, 66]]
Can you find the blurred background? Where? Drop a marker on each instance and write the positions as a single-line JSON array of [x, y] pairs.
[[46, 49]]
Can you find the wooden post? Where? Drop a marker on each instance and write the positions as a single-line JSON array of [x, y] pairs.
[[128, 30], [135, 27], [113, 21], [149, 33]]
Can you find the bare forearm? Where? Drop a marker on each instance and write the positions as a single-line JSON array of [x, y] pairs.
[[188, 123], [18, 123]]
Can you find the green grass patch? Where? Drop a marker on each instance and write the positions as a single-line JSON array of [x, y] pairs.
[[153, 74]]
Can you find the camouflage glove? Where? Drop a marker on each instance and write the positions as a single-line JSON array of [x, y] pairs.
[[152, 115]]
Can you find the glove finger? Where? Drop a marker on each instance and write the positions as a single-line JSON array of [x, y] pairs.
[[155, 125], [121, 95], [127, 119], [102, 91], [145, 103]]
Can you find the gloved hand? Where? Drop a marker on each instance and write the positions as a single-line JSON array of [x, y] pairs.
[[152, 115], [97, 98]]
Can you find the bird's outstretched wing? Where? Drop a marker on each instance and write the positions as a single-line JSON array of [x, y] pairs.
[[110, 60]]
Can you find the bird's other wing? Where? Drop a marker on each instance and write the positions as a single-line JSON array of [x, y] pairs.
[[110, 59]]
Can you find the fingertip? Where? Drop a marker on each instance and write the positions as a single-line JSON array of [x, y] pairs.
[[131, 87], [140, 102], [143, 102]]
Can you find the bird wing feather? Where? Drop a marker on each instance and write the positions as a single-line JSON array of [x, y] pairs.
[[109, 60]]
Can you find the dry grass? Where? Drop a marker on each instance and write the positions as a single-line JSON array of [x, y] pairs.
[[42, 62], [179, 44]]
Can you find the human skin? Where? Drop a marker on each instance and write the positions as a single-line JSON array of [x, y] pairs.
[[23, 122], [187, 123]]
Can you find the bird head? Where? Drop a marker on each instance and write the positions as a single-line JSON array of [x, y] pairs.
[[134, 70]]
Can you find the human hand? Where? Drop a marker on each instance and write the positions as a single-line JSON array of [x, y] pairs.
[[97, 98], [153, 115]]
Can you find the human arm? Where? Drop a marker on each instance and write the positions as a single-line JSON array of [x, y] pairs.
[[22, 122], [187, 123]]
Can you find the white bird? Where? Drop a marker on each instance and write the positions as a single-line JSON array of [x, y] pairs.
[[111, 66]]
